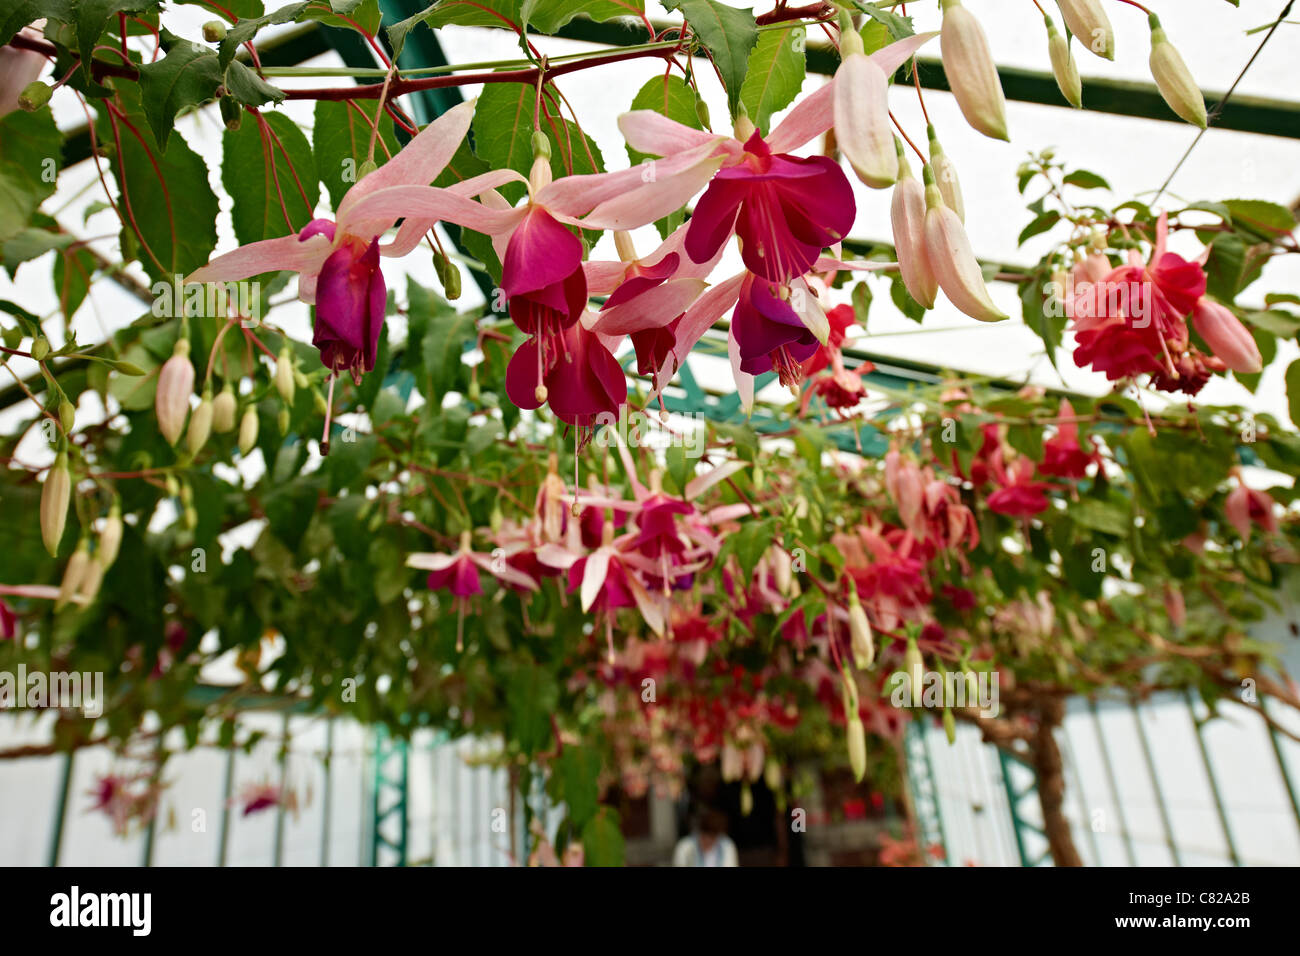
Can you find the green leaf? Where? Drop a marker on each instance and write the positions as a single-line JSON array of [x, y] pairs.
[[346, 14], [1284, 325], [577, 773], [545, 16], [1038, 314], [1265, 220], [30, 151], [1085, 180], [1293, 392], [903, 300], [1040, 224], [341, 141], [503, 129], [249, 88], [602, 841], [245, 30], [729, 35], [899, 27], [774, 74], [169, 206], [73, 270], [19, 13], [186, 77], [1225, 265], [669, 95], [269, 199], [94, 17]]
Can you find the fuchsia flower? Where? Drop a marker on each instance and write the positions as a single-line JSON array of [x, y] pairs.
[[1245, 507], [338, 261], [8, 622], [1063, 456], [1020, 496], [1132, 321], [458, 573], [257, 797]]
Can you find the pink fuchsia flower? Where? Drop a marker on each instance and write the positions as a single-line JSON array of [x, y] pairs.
[[1020, 496], [784, 209], [458, 573], [257, 797], [542, 271], [572, 370], [1132, 321], [8, 622], [1245, 507], [1063, 456], [338, 261]]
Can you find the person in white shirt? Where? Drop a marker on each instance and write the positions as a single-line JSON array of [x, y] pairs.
[[708, 845]]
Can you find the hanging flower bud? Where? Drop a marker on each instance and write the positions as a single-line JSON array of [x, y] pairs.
[[214, 31], [907, 214], [73, 574], [282, 421], [949, 726], [248, 430], [945, 174], [857, 741], [861, 113], [1064, 68], [772, 774], [55, 495], [92, 580], [953, 259], [860, 638], [1174, 79], [914, 663], [232, 114], [284, 379], [972, 74], [67, 415], [200, 425], [110, 537], [175, 385], [1088, 21], [1227, 338], [746, 800], [224, 407], [1175, 607]]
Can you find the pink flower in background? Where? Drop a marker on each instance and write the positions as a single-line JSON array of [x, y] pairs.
[[458, 573], [8, 622], [1020, 496], [257, 797], [1063, 456], [1245, 508]]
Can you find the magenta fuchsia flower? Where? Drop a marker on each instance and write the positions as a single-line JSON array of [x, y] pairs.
[[338, 261], [8, 622], [1020, 496], [458, 573], [257, 797], [1245, 507], [564, 362]]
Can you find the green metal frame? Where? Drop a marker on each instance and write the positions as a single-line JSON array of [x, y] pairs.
[[391, 764]]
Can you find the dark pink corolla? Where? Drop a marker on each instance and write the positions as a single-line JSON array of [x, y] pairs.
[[769, 333], [572, 370], [350, 303], [458, 573], [8, 622], [784, 208], [1020, 496]]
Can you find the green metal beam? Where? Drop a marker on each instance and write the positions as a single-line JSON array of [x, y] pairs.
[[1161, 806]]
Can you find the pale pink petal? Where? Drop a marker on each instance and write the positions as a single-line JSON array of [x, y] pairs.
[[707, 309], [421, 206], [702, 483], [557, 556], [649, 132], [649, 608], [269, 255], [502, 570], [578, 195], [809, 310], [603, 277], [744, 381], [476, 185], [654, 199], [419, 162], [810, 117], [725, 513], [425, 561], [594, 573], [891, 57], [651, 309]]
